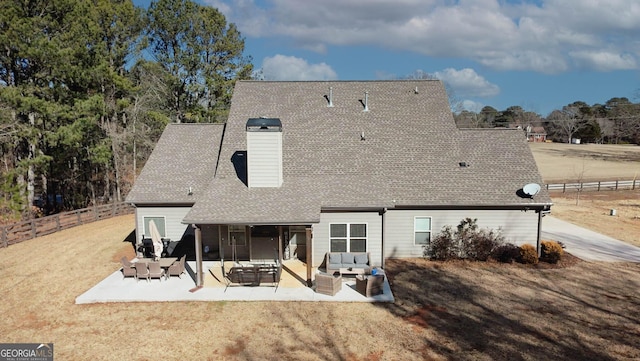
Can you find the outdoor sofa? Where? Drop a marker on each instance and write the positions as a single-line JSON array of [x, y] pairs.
[[349, 262]]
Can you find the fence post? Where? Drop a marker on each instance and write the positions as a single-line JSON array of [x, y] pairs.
[[95, 213], [598, 186], [57, 222], [79, 217], [564, 187], [616, 184]]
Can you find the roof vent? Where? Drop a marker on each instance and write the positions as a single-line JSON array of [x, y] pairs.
[[362, 137], [330, 97], [366, 102], [463, 165], [416, 91]]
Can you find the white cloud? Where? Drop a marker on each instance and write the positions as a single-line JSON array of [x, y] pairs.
[[603, 61], [467, 83], [472, 106], [547, 36], [281, 67]]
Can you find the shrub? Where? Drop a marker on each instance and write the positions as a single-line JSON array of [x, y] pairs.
[[528, 254], [506, 253], [481, 244], [443, 246], [551, 251], [476, 244]]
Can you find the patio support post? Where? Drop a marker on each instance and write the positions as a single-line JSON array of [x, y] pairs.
[[539, 249], [309, 261], [198, 246], [280, 240]]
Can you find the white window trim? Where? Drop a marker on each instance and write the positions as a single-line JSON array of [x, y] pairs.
[[147, 232], [348, 237], [430, 230]]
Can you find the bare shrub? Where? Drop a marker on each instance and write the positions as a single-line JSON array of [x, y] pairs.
[[467, 242], [528, 254], [506, 253], [551, 251], [443, 246]]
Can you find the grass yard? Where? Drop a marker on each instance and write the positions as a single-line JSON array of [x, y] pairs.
[[443, 310]]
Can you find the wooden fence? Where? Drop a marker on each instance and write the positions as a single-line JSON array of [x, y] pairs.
[[22, 231], [595, 186]]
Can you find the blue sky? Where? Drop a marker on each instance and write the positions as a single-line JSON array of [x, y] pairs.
[[538, 54]]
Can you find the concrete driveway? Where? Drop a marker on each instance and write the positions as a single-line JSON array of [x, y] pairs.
[[587, 244]]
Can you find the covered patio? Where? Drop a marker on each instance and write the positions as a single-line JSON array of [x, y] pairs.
[[292, 287]]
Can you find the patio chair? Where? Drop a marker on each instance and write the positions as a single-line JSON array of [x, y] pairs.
[[328, 284], [128, 269], [155, 271], [370, 286], [141, 271], [177, 268]]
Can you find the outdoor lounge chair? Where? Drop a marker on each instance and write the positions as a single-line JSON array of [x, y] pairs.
[[177, 268], [155, 271], [370, 285], [141, 271], [328, 284], [128, 269]]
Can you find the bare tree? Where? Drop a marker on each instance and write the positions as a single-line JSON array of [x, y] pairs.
[[565, 121]]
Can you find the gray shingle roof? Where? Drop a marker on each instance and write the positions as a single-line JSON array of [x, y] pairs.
[[185, 156], [410, 155]]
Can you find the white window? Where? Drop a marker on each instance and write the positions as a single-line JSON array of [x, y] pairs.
[[237, 233], [421, 230], [160, 224], [348, 237]]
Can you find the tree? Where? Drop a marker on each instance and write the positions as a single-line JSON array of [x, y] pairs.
[[201, 54], [565, 122]]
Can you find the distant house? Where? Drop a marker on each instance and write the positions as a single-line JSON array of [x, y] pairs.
[[536, 134], [304, 168]]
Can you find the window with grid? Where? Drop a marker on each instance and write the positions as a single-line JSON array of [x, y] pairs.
[[421, 230], [348, 237]]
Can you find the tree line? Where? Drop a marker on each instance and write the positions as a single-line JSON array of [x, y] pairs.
[[617, 121], [87, 87]]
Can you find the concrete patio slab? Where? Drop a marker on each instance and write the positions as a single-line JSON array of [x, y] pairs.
[[116, 289]]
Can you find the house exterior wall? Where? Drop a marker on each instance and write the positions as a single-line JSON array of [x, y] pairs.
[[321, 244], [516, 226], [174, 228]]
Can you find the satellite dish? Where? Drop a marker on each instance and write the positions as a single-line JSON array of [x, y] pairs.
[[531, 189]]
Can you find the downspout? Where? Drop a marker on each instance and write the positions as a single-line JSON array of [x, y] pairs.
[[538, 248], [384, 221], [309, 261]]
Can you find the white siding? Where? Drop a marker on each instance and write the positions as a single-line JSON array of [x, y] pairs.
[[264, 159], [374, 234], [174, 228], [516, 226]]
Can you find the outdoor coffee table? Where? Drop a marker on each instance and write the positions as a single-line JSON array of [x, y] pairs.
[[353, 271]]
